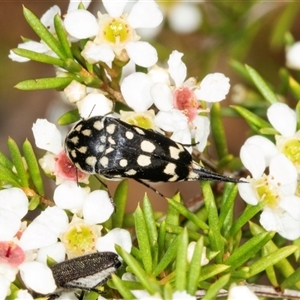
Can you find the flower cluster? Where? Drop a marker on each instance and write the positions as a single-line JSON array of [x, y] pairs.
[[280, 188]]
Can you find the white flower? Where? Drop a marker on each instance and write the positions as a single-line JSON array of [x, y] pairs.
[[117, 236], [237, 292], [184, 17], [55, 162], [38, 277], [13, 207], [44, 230], [114, 33], [284, 120], [75, 91], [190, 252], [282, 210], [292, 56]]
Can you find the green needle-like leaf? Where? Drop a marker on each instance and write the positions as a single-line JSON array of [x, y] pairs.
[[40, 57], [262, 86], [248, 249], [148, 282], [215, 238], [168, 258], [214, 289], [292, 280], [271, 259], [33, 167], [251, 118], [62, 35], [151, 228], [195, 268], [217, 130], [143, 239], [189, 215], [17, 161], [43, 32], [245, 217], [9, 177], [44, 83], [69, 117], [210, 271], [5, 162], [120, 200], [121, 287], [181, 262]]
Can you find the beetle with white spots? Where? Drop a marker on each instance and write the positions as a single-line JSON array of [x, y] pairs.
[[115, 149]]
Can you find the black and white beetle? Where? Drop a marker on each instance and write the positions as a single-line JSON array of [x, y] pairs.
[[85, 272], [115, 149]]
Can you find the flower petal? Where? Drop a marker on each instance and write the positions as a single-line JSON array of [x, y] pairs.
[[75, 91], [48, 17], [56, 251], [37, 235], [47, 136], [81, 24], [136, 91], [293, 57], [55, 218], [114, 8], [73, 4], [282, 118], [117, 236], [284, 172], [213, 88], [145, 14], [241, 292], [267, 148], [9, 224], [247, 192], [171, 121], [253, 159], [177, 68], [97, 207], [201, 131], [38, 277], [291, 204], [142, 53], [94, 53], [162, 96], [70, 196], [184, 17], [15, 200], [94, 104]]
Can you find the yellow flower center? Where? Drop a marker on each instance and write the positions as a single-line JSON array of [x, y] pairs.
[[141, 121], [292, 150], [116, 31], [266, 192], [79, 239]]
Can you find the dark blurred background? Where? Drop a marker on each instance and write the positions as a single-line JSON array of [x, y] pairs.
[[251, 32]]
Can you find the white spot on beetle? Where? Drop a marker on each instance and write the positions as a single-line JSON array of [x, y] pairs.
[[129, 135], [86, 132], [98, 125], [102, 139], [139, 130], [144, 160], [111, 140], [170, 169], [74, 139], [73, 154], [82, 149], [131, 172], [78, 127], [147, 146], [104, 161], [123, 162], [174, 152], [111, 128], [108, 150], [91, 161]]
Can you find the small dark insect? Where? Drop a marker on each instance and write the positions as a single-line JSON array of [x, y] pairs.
[[115, 149], [85, 272]]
